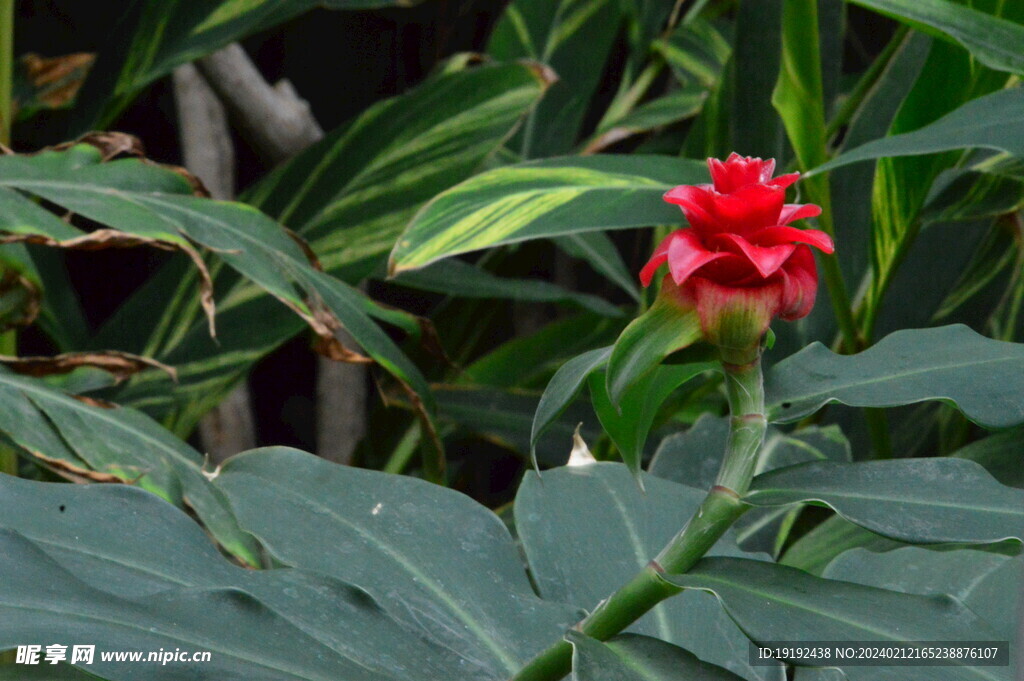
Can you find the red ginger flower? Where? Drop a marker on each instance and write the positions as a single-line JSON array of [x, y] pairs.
[[740, 252]]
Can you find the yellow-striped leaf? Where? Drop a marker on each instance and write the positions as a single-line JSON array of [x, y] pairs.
[[544, 199]]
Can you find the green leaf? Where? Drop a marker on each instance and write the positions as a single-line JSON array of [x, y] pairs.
[[629, 428], [158, 583], [462, 280], [992, 41], [167, 34], [999, 453], [460, 584], [676, 106], [984, 378], [697, 52], [979, 579], [665, 328], [587, 530], [531, 361], [117, 443], [994, 121], [562, 389], [776, 603], [349, 196], [505, 417], [815, 550], [574, 38], [544, 199], [638, 658], [600, 252], [935, 500]]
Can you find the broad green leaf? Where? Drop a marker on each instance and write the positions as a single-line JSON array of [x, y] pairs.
[[562, 389], [460, 584], [934, 500], [1000, 454], [693, 458], [776, 603], [665, 328], [544, 199], [980, 376], [600, 252], [629, 428], [983, 581], [817, 548], [993, 41], [114, 443], [159, 583], [462, 280], [588, 529], [61, 672], [572, 37], [638, 658], [994, 121]]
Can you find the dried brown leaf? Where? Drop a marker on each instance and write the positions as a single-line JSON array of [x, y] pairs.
[[55, 81], [119, 364], [74, 473]]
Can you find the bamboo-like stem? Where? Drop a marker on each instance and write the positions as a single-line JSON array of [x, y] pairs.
[[6, 69], [719, 510]]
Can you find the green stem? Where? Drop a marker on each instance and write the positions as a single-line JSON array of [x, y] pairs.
[[6, 68], [719, 510]]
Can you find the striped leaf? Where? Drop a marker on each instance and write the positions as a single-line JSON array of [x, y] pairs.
[[572, 37], [86, 441], [993, 41], [995, 121], [167, 33], [350, 196], [544, 199]]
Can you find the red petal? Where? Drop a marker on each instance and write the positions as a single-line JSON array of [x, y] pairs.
[[783, 234], [767, 259], [696, 201], [748, 209], [686, 255], [800, 285], [785, 180], [658, 258], [797, 211], [738, 171]]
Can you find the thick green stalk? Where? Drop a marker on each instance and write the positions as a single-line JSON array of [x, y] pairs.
[[719, 510], [6, 68]]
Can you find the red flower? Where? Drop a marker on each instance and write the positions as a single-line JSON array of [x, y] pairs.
[[740, 251]]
